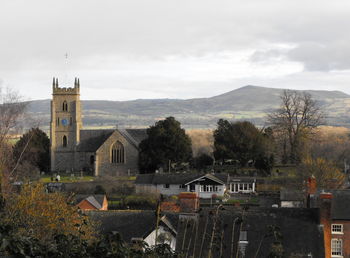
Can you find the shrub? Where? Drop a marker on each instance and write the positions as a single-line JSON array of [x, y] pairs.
[[138, 201]]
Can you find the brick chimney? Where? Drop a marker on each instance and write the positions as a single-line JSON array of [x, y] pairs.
[[325, 204], [189, 202], [311, 185]]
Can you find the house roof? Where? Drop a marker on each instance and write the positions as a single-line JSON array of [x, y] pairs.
[[166, 178], [91, 140], [299, 228], [341, 205], [144, 179], [177, 178], [291, 195], [340, 208], [208, 176], [95, 200], [241, 179], [132, 224]]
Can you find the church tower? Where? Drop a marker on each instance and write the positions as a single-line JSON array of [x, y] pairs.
[[65, 125]]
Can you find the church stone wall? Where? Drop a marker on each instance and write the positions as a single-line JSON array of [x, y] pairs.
[[83, 161], [64, 161], [103, 158]]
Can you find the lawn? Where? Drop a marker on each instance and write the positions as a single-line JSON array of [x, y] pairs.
[[67, 179]]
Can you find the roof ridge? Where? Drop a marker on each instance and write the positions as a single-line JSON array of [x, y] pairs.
[[128, 136], [92, 200]]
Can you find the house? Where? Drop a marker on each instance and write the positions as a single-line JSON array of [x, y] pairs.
[[205, 185], [91, 202], [101, 152], [138, 226], [335, 217], [335, 220]]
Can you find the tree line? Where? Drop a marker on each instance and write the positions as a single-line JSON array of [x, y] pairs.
[[291, 136]]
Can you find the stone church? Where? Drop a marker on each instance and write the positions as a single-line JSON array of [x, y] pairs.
[[101, 152]]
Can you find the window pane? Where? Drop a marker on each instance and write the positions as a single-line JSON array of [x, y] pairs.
[[337, 228], [337, 246]]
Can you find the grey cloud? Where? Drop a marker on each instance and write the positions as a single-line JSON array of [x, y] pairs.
[[317, 57], [265, 56], [112, 39]]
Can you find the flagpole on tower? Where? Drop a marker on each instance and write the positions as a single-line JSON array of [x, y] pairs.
[[66, 68]]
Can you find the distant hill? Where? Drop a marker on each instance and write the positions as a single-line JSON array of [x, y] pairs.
[[249, 102]]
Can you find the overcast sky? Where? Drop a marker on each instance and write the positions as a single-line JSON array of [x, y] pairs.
[[132, 49]]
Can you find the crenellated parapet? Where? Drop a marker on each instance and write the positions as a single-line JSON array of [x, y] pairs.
[[65, 90]]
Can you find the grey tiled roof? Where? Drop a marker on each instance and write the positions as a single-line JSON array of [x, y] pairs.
[[299, 228], [242, 179], [340, 206], [291, 195], [96, 200], [183, 178], [130, 224], [91, 140], [171, 178], [137, 134]]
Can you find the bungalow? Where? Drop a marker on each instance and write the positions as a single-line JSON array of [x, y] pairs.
[[173, 184], [205, 185]]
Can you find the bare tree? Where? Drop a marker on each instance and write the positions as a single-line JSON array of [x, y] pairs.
[[295, 120], [11, 110]]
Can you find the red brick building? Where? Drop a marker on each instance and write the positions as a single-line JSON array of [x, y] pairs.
[[334, 208], [92, 202]]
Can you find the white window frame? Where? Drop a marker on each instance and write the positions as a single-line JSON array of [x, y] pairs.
[[337, 247], [336, 231]]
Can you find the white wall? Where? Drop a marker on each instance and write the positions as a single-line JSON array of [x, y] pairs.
[[172, 190], [291, 204], [208, 195]]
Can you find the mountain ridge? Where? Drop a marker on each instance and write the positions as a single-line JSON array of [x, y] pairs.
[[248, 102]]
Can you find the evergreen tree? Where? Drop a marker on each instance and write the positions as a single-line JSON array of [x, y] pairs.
[[166, 143], [33, 147], [242, 142]]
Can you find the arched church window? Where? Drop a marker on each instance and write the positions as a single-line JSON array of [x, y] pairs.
[[65, 106], [64, 141], [117, 153]]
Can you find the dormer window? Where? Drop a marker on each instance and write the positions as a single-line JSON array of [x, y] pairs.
[[65, 106]]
